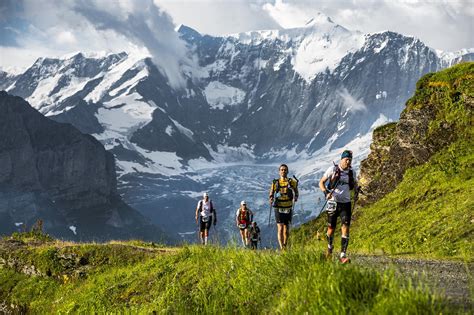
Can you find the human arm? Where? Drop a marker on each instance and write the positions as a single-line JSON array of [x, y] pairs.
[[357, 188], [214, 214], [197, 211], [272, 193], [295, 189], [322, 186]]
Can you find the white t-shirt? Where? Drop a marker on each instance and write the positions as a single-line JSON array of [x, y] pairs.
[[342, 192], [206, 208]]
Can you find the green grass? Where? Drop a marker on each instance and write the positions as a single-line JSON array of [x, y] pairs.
[[214, 280], [430, 211], [447, 92], [428, 214]]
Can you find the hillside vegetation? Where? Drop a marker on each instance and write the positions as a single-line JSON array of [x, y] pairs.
[[41, 276], [426, 212], [429, 212]]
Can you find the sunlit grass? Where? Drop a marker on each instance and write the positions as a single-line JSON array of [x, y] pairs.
[[209, 280]]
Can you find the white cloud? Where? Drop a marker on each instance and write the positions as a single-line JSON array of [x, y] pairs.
[[66, 37], [219, 17], [143, 23], [288, 15], [351, 103], [56, 27]]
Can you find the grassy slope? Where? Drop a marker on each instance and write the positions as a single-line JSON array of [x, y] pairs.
[[430, 213], [206, 280]]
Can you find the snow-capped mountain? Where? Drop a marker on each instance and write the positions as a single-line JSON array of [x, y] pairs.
[[6, 79], [256, 97]]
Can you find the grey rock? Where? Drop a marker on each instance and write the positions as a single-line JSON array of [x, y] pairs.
[[53, 172]]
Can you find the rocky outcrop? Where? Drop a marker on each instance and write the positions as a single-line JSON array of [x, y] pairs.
[[438, 114], [53, 172]]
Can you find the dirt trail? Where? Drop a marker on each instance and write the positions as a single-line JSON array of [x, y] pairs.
[[453, 279]]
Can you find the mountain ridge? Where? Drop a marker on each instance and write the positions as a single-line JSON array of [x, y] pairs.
[[51, 172], [241, 104]]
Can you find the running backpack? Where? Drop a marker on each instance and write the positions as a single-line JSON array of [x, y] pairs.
[[278, 190], [334, 180], [254, 233], [244, 217], [201, 203]]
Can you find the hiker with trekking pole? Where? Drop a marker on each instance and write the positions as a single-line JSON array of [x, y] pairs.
[[205, 216], [336, 184], [243, 219], [283, 195]]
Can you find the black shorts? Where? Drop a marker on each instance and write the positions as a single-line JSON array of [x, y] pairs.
[[344, 210], [247, 224], [205, 225], [282, 218]]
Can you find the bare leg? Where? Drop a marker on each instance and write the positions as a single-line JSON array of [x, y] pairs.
[[280, 234], [206, 235], [202, 237], [242, 237], [286, 234]]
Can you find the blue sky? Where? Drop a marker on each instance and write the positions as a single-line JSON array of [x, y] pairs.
[[33, 28]]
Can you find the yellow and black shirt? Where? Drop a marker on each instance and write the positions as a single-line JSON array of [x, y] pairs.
[[283, 190]]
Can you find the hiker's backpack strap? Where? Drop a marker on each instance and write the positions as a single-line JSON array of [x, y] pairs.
[[294, 187], [212, 206], [351, 179], [276, 186], [334, 178]]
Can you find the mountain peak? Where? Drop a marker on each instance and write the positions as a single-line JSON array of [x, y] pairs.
[[188, 32], [319, 19]]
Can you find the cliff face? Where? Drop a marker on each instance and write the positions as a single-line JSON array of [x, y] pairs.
[[53, 172], [438, 114]]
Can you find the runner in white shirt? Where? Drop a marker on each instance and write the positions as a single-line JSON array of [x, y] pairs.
[[206, 214]]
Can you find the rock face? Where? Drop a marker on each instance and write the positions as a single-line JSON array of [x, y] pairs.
[[53, 172], [438, 114]]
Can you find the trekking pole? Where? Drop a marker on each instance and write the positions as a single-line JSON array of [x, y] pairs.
[[293, 205], [330, 192], [198, 233], [270, 215]]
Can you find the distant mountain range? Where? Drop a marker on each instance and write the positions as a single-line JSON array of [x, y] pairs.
[[255, 97]]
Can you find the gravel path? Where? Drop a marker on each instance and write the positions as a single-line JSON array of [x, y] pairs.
[[453, 279]]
